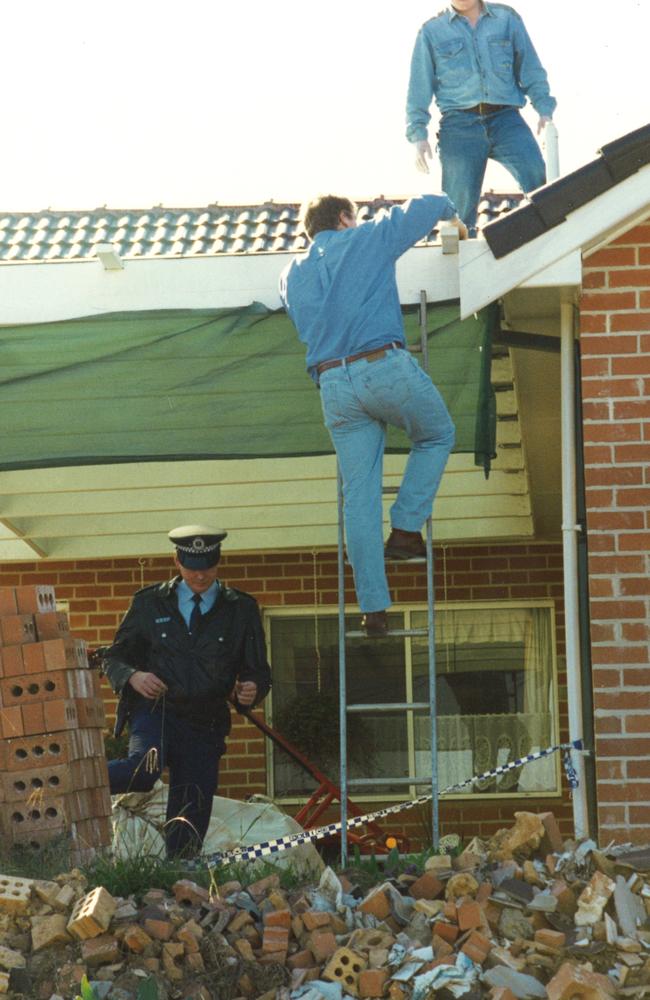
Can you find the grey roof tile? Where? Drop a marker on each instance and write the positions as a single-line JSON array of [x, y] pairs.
[[163, 231]]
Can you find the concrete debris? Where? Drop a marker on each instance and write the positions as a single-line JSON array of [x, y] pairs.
[[522, 918]]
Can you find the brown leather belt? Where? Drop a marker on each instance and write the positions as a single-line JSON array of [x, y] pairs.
[[374, 355], [487, 109]]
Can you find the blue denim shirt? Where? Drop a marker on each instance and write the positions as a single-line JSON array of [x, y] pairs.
[[342, 295], [494, 62]]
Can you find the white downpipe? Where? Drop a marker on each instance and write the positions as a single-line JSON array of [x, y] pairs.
[[551, 152], [570, 553]]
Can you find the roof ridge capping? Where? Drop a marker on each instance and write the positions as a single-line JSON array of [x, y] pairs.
[[549, 206]]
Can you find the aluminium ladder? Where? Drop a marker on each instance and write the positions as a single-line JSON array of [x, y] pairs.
[[429, 631]]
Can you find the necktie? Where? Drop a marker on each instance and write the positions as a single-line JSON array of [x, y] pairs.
[[196, 615]]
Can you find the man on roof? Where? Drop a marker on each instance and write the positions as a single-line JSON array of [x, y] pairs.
[[478, 62], [184, 649], [342, 298]]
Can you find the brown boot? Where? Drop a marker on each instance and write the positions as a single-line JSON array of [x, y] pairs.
[[405, 545], [375, 623]]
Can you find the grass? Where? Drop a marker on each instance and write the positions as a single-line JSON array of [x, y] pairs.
[[148, 990], [136, 875], [44, 862]]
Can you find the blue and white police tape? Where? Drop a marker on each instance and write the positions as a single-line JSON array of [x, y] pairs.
[[269, 847]]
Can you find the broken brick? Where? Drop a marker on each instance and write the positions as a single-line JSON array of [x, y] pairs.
[[48, 931], [427, 886], [315, 918], [376, 903], [371, 982], [100, 950], [448, 932], [278, 918], [469, 915], [136, 938], [574, 982], [161, 930], [186, 891], [322, 944], [550, 938]]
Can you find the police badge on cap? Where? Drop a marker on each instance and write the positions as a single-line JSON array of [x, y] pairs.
[[197, 546]]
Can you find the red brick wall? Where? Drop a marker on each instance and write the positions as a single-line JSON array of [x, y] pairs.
[[99, 591], [615, 347]]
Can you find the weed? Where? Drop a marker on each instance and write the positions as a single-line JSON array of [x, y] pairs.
[[47, 861], [116, 746], [134, 876], [87, 992], [369, 869], [247, 873], [148, 990]]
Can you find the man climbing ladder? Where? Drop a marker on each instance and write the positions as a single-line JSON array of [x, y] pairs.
[[342, 297]]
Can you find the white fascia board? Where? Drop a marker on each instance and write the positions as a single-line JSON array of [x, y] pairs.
[[483, 278], [42, 292], [427, 269]]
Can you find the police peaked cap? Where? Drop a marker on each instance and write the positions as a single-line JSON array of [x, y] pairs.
[[197, 546]]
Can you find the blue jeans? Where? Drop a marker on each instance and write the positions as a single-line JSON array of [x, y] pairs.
[[192, 756], [359, 400], [467, 140]]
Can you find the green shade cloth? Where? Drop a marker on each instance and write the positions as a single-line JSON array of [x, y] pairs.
[[204, 384]]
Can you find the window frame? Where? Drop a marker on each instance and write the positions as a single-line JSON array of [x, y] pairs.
[[412, 791]]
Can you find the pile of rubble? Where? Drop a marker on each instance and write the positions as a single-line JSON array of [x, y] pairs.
[[524, 916]]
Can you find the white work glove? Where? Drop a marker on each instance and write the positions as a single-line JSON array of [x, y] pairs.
[[423, 150], [544, 120]]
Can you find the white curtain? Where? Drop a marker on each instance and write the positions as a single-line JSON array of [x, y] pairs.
[[471, 744]]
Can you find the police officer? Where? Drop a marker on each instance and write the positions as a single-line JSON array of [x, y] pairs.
[[183, 649]]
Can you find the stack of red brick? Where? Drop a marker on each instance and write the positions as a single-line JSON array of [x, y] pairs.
[[52, 758]]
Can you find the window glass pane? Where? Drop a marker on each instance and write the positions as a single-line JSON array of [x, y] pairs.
[[494, 696], [495, 702], [305, 658]]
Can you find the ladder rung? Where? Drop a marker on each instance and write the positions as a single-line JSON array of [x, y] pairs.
[[410, 560], [389, 634], [389, 706], [389, 781], [390, 489]]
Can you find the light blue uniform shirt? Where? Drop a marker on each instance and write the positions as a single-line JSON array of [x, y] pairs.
[[342, 295], [494, 63], [185, 594]]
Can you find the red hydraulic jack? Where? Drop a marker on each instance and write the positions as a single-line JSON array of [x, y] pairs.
[[375, 840]]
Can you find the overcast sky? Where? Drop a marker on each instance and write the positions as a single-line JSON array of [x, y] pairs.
[[189, 102]]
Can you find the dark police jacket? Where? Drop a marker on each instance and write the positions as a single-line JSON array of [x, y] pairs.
[[199, 670]]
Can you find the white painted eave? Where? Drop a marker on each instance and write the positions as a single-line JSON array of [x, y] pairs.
[[555, 256], [45, 291]]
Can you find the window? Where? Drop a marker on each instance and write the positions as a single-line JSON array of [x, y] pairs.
[[495, 689]]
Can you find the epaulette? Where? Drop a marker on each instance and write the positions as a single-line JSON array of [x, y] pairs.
[[232, 594], [436, 16], [510, 10], [150, 586]]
